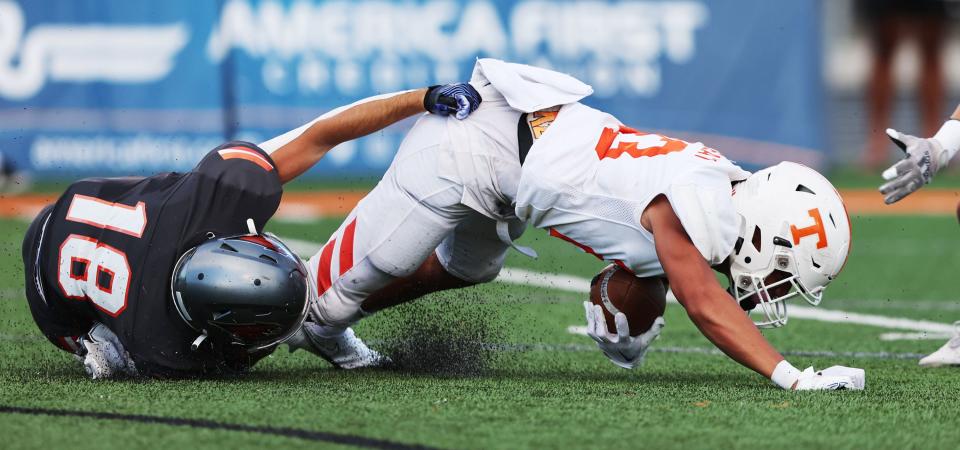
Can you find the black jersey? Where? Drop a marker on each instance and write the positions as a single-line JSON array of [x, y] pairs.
[[106, 250]]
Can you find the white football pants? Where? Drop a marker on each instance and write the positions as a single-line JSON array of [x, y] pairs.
[[391, 232]]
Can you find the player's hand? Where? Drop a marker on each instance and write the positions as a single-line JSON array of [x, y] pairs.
[[622, 349], [923, 159], [832, 379], [459, 99], [858, 376], [105, 356]]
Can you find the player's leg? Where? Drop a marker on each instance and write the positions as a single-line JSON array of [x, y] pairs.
[[948, 355], [430, 277], [473, 253], [387, 237], [930, 32], [392, 231], [886, 32]]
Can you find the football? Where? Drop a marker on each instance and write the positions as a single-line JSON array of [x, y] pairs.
[[642, 300]]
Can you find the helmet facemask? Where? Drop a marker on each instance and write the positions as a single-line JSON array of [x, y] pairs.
[[771, 291]]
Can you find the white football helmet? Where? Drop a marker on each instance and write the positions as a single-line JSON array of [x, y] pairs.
[[794, 240]]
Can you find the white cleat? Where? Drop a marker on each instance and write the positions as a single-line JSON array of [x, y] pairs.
[[341, 347], [948, 355]]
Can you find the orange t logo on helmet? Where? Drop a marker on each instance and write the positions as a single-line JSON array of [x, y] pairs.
[[816, 228]]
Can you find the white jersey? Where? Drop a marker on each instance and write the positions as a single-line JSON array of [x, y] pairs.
[[588, 178], [480, 154]]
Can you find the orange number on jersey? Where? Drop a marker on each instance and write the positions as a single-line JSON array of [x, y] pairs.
[[614, 143]]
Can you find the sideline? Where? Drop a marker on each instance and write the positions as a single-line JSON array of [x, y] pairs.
[[302, 206]]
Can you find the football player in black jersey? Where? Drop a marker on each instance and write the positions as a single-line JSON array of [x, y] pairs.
[[171, 275]]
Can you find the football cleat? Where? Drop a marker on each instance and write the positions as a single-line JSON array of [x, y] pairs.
[[342, 349], [948, 355]]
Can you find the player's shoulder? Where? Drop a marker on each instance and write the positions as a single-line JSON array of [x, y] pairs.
[[703, 201], [239, 165], [240, 154]]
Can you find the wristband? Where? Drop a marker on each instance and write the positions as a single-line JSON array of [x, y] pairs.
[[784, 375], [949, 139]]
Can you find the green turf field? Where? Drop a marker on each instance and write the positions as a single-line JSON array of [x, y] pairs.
[[540, 387]]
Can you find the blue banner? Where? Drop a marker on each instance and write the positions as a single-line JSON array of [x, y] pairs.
[[114, 87]]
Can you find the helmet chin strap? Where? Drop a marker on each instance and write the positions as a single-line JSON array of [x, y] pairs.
[[199, 340]]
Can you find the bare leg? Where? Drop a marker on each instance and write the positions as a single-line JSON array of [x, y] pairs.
[[430, 277], [886, 33], [930, 34]]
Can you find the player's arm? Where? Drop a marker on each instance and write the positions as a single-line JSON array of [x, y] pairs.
[[709, 306], [301, 153], [718, 317], [924, 157]]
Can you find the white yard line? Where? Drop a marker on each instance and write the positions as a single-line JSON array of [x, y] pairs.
[[305, 249], [921, 336], [576, 347]]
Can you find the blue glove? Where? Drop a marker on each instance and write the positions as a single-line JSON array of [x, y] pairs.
[[458, 98]]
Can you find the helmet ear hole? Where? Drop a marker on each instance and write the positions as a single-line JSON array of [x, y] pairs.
[[756, 240]]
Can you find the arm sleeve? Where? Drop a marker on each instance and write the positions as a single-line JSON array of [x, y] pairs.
[[240, 181]]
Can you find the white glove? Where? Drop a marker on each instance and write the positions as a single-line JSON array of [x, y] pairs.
[[924, 157], [834, 378], [622, 349], [811, 380], [857, 376], [105, 356]]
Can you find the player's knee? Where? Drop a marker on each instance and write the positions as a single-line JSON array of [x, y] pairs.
[[340, 304], [483, 277], [471, 274]]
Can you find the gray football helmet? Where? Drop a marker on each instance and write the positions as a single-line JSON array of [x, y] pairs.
[[248, 290]]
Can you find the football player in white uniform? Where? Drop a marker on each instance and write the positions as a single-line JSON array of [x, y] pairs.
[[459, 192], [922, 159]]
